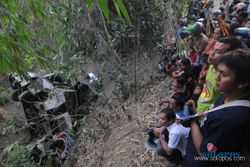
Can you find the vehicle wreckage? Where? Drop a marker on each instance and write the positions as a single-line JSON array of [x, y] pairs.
[[51, 105]]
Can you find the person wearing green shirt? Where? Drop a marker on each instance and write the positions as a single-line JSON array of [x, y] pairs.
[[209, 93]]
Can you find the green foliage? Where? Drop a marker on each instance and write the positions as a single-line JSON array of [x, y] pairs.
[[90, 4], [18, 155], [83, 35], [31, 155], [70, 19], [104, 6], [24, 35], [118, 4], [11, 123], [35, 33], [120, 8], [146, 18]]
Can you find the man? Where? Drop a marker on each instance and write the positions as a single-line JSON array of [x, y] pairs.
[[209, 94], [172, 137]]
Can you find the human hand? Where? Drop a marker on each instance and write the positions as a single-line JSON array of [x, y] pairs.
[[158, 131], [190, 102], [176, 74], [197, 90], [191, 105], [202, 114], [165, 100]]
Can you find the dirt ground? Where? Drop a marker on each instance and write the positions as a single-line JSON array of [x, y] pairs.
[[122, 145], [11, 113]]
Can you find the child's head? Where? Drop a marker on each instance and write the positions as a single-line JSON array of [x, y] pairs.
[[178, 84], [217, 33], [177, 101], [247, 24], [167, 116], [184, 64], [173, 60]]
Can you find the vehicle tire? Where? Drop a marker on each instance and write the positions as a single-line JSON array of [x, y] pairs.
[[15, 94]]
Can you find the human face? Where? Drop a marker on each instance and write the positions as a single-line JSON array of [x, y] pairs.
[[217, 34], [172, 104], [163, 120], [215, 17], [225, 79], [247, 24], [234, 20], [182, 66], [175, 86], [218, 51]]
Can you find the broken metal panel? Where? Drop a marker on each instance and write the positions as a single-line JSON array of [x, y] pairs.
[[41, 84]]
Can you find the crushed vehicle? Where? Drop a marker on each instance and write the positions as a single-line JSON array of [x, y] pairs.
[[19, 83], [51, 103], [49, 98]]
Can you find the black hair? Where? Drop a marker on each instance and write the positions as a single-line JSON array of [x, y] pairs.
[[223, 16], [246, 41], [233, 26], [180, 81], [239, 63], [222, 10], [233, 42], [192, 17], [185, 61], [169, 113], [243, 14], [180, 99], [174, 58]]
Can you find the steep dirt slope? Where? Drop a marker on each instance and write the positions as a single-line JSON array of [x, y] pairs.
[[123, 143]]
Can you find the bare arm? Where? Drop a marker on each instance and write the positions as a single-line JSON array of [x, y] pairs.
[[164, 144], [191, 105], [196, 136]]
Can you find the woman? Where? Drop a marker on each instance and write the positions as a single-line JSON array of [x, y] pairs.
[[224, 135], [177, 86]]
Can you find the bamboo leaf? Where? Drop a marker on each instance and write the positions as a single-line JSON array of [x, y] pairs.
[[6, 20], [117, 7], [44, 63], [90, 4], [5, 62], [104, 7], [124, 10], [37, 10], [11, 5]]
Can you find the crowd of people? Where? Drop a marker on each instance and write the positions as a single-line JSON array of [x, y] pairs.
[[206, 119]]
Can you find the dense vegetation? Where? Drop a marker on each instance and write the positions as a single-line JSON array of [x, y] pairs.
[[38, 33]]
